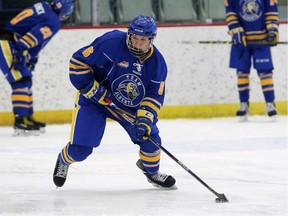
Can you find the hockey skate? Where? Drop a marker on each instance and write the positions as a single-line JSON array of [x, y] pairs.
[[41, 125], [60, 172], [243, 111], [158, 180], [23, 127], [271, 110]]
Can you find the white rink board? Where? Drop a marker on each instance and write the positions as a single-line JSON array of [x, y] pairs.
[[198, 73]]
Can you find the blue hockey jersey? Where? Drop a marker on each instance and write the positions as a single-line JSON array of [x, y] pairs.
[[253, 15], [34, 27], [133, 83]]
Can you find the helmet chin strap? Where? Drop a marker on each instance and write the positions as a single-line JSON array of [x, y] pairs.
[[141, 56], [137, 52]]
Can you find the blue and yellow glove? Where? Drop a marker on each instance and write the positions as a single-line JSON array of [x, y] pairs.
[[19, 57], [32, 62], [97, 93], [142, 127], [238, 36], [273, 35]]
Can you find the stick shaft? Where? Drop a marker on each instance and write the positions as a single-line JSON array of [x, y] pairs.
[[263, 42], [183, 166], [127, 118]]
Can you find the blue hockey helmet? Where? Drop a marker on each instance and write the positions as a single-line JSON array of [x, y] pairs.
[[64, 8], [142, 26]]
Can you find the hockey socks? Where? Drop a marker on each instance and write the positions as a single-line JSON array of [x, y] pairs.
[[159, 179]]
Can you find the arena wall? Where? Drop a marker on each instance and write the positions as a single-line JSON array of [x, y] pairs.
[[199, 84]]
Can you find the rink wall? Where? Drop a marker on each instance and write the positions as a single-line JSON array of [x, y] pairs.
[[199, 82]]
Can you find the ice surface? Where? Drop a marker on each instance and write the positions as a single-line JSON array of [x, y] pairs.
[[245, 161]]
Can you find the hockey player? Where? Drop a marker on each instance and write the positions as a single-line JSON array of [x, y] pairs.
[[23, 38], [127, 69], [251, 22]]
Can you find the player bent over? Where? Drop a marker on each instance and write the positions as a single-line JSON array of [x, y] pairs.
[[127, 69], [21, 41]]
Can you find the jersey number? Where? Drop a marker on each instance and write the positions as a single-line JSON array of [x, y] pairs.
[[88, 51], [272, 2], [24, 14], [161, 88], [46, 31]]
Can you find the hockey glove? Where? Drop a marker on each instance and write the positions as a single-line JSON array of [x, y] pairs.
[[142, 126], [238, 36], [19, 57], [273, 35], [32, 62], [97, 93]]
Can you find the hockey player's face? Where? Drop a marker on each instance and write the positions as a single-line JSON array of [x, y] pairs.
[[140, 42]]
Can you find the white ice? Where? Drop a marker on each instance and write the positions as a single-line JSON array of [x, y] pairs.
[[245, 161]]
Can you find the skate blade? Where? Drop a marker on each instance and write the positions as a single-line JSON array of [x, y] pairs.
[[36, 133], [174, 187], [42, 130], [243, 118], [25, 133], [273, 118]]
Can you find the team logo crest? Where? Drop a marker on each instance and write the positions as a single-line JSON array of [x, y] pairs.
[[251, 10], [128, 89]]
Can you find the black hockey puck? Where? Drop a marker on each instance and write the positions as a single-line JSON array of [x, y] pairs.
[[221, 200]]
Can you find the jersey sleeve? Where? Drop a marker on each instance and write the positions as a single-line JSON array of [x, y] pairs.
[[84, 64], [39, 34], [271, 13], [80, 69], [35, 26], [232, 20], [155, 92]]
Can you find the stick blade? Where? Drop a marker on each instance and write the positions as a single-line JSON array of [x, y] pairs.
[[221, 198]]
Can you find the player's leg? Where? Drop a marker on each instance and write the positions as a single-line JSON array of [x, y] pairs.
[[266, 78], [88, 125], [21, 98], [240, 59], [22, 103], [149, 161], [243, 91], [69, 155], [264, 66]]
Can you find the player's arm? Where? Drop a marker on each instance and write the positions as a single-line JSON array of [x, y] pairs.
[[149, 108], [39, 34], [153, 101], [232, 21], [272, 21], [81, 75]]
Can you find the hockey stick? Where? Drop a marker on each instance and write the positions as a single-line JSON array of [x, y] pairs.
[[220, 197], [263, 42]]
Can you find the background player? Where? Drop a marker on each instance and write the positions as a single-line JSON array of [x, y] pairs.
[[23, 38], [253, 21], [129, 70]]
